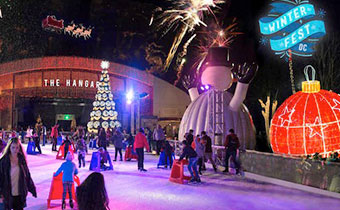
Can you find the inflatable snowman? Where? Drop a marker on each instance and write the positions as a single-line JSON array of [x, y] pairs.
[[219, 74]]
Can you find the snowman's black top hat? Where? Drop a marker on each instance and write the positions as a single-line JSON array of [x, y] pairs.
[[217, 56]]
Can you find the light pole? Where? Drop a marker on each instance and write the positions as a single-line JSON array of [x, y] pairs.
[[132, 99]]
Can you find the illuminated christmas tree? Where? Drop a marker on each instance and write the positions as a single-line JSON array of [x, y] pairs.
[[103, 113]]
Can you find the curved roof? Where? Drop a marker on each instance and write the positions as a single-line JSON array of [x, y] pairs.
[[68, 62]]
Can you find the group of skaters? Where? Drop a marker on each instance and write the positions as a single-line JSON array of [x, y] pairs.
[[16, 181], [198, 150], [13, 164]]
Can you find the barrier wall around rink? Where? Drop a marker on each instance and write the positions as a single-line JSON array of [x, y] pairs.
[[314, 173]]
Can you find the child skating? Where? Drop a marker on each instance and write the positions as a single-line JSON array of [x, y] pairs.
[[69, 169]]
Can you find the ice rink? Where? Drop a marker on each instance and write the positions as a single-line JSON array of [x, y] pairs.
[[130, 189]]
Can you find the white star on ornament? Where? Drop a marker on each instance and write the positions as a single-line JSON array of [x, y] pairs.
[[313, 27], [266, 28], [286, 116], [337, 105], [316, 128]]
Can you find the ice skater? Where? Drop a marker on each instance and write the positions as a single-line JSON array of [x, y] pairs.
[[36, 140], [118, 142], [199, 148], [67, 143], [208, 150], [29, 133], [81, 151], [69, 169], [232, 144], [167, 149], [189, 153], [139, 144], [54, 136], [103, 158]]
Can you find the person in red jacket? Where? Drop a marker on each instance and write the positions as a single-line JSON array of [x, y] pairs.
[[139, 144], [54, 136]]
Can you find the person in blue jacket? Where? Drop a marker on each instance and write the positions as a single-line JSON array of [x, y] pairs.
[[69, 169]]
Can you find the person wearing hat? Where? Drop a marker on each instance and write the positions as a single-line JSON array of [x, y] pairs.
[[69, 169]]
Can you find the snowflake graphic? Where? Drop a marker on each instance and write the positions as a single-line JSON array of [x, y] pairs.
[[263, 41], [321, 13]]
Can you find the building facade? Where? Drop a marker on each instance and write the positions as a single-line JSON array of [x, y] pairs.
[[53, 87]]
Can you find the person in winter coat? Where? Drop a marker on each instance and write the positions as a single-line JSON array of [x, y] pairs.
[[102, 138], [158, 137], [103, 158], [29, 133], [129, 140], [109, 134], [231, 144], [69, 169], [199, 148], [167, 149], [149, 137], [118, 142], [208, 149], [54, 136], [36, 141], [15, 177], [139, 144], [44, 132], [190, 137], [189, 153], [81, 149], [67, 144]]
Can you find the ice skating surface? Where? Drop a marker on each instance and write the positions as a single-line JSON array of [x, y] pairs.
[[129, 189]]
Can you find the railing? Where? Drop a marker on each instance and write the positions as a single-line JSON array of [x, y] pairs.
[[218, 151]]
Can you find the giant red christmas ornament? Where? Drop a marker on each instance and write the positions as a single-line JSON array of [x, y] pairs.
[[307, 122]]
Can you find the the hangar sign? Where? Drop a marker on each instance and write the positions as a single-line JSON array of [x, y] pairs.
[[70, 83]]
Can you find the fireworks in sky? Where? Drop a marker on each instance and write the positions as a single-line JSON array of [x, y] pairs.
[[184, 16], [220, 37], [216, 37]]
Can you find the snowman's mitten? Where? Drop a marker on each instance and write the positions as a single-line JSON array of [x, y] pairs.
[[245, 73]]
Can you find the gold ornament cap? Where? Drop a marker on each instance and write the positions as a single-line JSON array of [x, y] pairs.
[[310, 86]]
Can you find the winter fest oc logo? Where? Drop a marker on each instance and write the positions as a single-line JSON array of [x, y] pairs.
[[294, 25]]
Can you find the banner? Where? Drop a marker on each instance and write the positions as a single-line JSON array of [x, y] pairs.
[[292, 25]]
